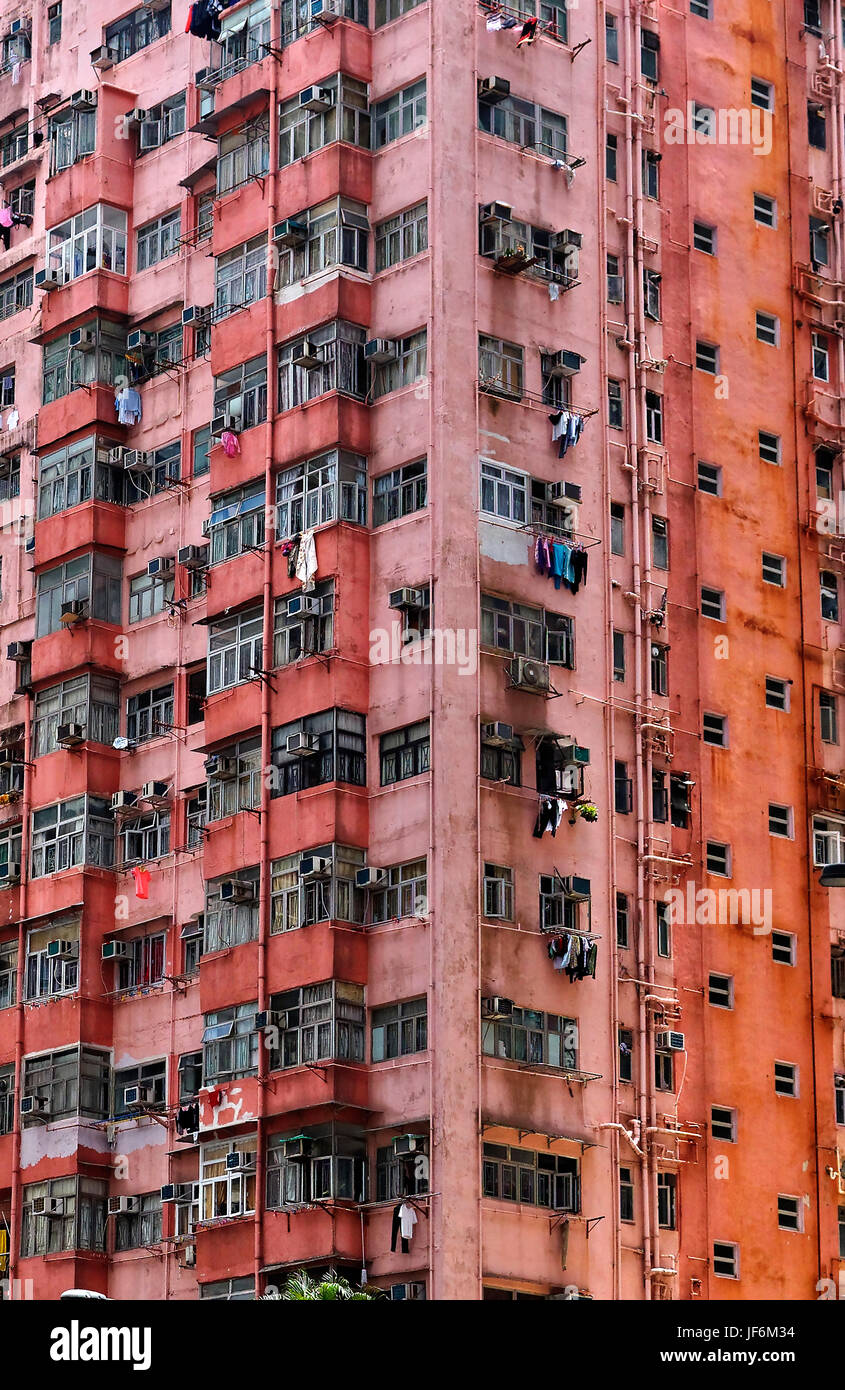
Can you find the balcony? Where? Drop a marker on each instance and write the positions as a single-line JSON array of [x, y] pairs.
[[240, 85], [330, 1232]]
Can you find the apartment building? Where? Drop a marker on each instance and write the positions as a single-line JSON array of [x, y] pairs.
[[411, 464]]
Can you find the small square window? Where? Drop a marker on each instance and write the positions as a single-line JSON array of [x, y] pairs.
[[702, 8], [767, 328], [828, 717], [762, 94], [723, 1123], [790, 1213], [714, 730], [707, 357], [777, 693], [710, 479], [718, 858], [721, 991], [769, 447], [704, 238], [780, 821], [765, 210], [774, 569], [783, 948], [712, 603], [786, 1079], [725, 1260]]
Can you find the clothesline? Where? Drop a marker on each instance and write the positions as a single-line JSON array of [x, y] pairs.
[[533, 528]]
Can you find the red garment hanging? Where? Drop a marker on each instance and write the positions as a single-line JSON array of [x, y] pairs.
[[142, 882]]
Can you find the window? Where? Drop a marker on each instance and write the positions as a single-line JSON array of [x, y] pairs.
[[615, 281], [230, 1044], [92, 701], [335, 233], [780, 821], [332, 748], [828, 717], [64, 368], [625, 1045], [400, 492], [703, 122], [526, 631], [649, 48], [819, 242], [408, 366], [611, 151], [77, 1220], [135, 31], [8, 974], [48, 975], [70, 833], [7, 1099], [526, 124], [335, 1167], [663, 1070], [777, 693], [399, 114], [767, 328], [659, 797], [611, 37], [660, 542], [529, 1035], [162, 123], [721, 991], [663, 922], [623, 794], [710, 479], [244, 38], [821, 357], [231, 921], [402, 236], [190, 1075], [330, 487], [331, 894], [338, 364], [531, 1178], [145, 836], [825, 461], [405, 753], [148, 595], [243, 155], [141, 1227], [502, 763], [397, 1175], [651, 174], [617, 529], [234, 784], [626, 1194], [659, 669], [828, 841], [54, 23], [504, 493], [14, 144], [712, 603], [73, 1082], [158, 239], [21, 199], [774, 569], [816, 125], [497, 892], [615, 407], [16, 294], [149, 1075], [72, 136], [149, 713], [76, 473], [236, 524], [618, 656], [667, 1201], [723, 1123], [387, 10], [725, 1260], [718, 858], [297, 635], [813, 16], [707, 357], [399, 1029], [653, 417], [704, 238], [786, 1079], [714, 730], [762, 94], [829, 593], [769, 447], [225, 1191], [783, 948], [320, 1023], [200, 448], [240, 277], [234, 649], [765, 210], [622, 921], [347, 118], [500, 367], [243, 391], [405, 893]]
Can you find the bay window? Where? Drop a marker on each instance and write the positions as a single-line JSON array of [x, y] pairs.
[[63, 1214], [338, 233], [75, 474], [335, 1166], [319, 1023], [346, 118], [237, 522], [329, 896], [234, 649], [329, 487], [333, 748], [339, 364], [91, 579], [71, 833], [49, 975], [91, 701], [225, 1191], [230, 1044], [64, 368], [92, 240]]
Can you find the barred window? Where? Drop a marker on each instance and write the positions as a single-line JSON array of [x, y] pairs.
[[306, 630], [76, 1220], [16, 294], [240, 277], [319, 1023], [530, 1035], [346, 118], [526, 124], [330, 487], [243, 155], [404, 894], [405, 753], [329, 894], [141, 1227], [231, 921], [92, 701], [330, 747], [402, 236], [235, 783], [337, 233]]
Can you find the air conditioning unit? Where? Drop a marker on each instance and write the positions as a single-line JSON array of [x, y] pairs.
[[136, 117], [316, 98], [313, 866], [406, 598], [104, 57], [239, 1163], [371, 877], [118, 1205], [406, 1144], [207, 79], [232, 890], [290, 233], [566, 240], [161, 565], [526, 674], [576, 887], [180, 1192], [562, 363], [75, 611], [496, 212], [497, 735], [153, 791], [268, 1018], [196, 314], [59, 949], [69, 735], [670, 1042], [83, 100], [302, 744], [380, 350], [51, 278], [114, 950], [308, 355], [563, 492], [136, 460], [493, 89], [122, 800], [217, 766], [495, 1007], [303, 606], [574, 753], [19, 651], [136, 1096], [55, 1206], [9, 873], [233, 413], [34, 1105], [193, 557], [326, 11], [298, 1146], [139, 340]]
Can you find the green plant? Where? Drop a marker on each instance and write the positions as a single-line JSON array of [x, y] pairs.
[[330, 1287]]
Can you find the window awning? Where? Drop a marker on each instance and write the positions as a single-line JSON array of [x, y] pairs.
[[527, 1131]]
